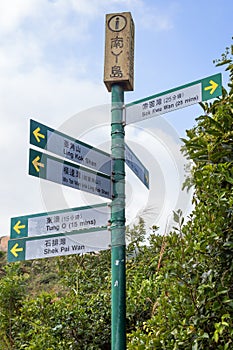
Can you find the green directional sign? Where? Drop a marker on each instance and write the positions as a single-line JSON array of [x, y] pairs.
[[136, 166], [171, 100], [81, 242], [65, 146], [68, 174], [60, 221]]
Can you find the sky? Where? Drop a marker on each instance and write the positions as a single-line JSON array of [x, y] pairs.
[[51, 70]]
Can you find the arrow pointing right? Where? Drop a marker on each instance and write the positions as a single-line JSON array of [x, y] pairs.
[[212, 87]]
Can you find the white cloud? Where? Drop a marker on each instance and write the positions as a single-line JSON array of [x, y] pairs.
[[37, 34], [87, 8], [50, 99], [160, 152], [13, 12], [97, 7], [44, 76], [34, 31], [156, 17], [19, 54]]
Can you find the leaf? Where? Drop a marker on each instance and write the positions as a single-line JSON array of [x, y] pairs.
[[176, 217], [195, 346], [223, 63], [216, 336]]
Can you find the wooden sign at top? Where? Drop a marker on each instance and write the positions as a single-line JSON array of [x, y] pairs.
[[119, 51]]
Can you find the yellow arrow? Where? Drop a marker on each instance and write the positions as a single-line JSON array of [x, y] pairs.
[[38, 135], [15, 250], [37, 164], [18, 227], [212, 87]]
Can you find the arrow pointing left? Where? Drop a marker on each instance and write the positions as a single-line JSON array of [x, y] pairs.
[[15, 250], [17, 227], [38, 135], [36, 163]]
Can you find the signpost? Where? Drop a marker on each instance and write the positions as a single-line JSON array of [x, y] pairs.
[[118, 77], [171, 100], [136, 166], [68, 174], [82, 230], [65, 146], [60, 221], [83, 241]]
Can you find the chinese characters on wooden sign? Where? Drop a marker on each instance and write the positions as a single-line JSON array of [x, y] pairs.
[[119, 51]]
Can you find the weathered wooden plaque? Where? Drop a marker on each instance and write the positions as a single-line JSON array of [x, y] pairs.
[[119, 51]]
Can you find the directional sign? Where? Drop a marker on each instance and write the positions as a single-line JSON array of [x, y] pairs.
[[180, 97], [136, 166], [68, 174], [60, 221], [65, 146], [83, 241]]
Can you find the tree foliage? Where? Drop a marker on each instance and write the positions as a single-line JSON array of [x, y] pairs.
[[194, 285]]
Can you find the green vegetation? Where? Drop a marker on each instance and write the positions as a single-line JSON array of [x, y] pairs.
[[179, 287]]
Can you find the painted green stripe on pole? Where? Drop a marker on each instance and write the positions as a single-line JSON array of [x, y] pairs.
[[68, 174], [118, 222], [171, 100]]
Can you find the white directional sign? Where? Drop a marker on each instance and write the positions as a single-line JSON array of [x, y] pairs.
[[60, 221], [180, 97], [65, 146], [68, 174], [83, 241], [136, 166]]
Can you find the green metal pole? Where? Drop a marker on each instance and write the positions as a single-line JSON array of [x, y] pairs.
[[118, 341]]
